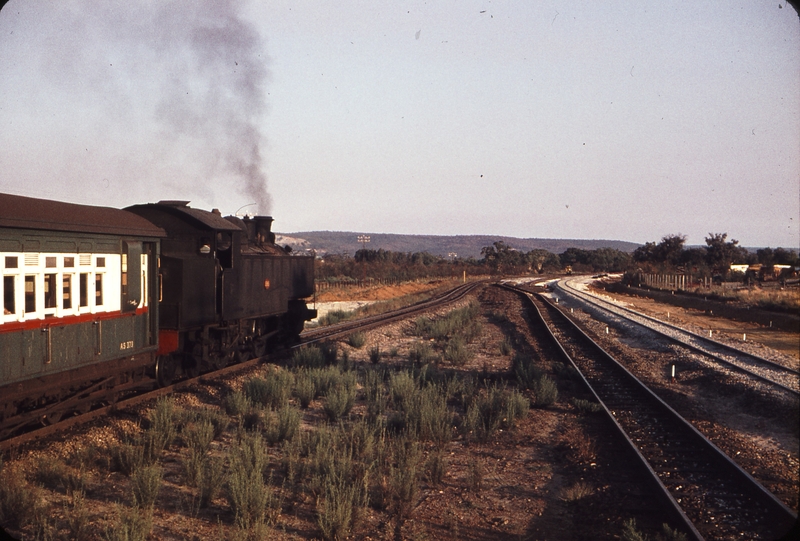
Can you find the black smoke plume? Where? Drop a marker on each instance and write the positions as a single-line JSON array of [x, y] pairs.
[[170, 97]]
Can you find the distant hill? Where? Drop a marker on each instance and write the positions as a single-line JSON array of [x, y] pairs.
[[465, 246]]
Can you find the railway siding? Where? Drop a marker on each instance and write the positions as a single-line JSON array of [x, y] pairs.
[[767, 370], [721, 500]]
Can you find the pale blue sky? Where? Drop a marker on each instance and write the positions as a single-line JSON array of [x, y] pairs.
[[618, 120]]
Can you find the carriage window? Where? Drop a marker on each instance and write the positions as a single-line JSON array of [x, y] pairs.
[[101, 261], [98, 289], [83, 287], [50, 290], [12, 262], [30, 293], [66, 287], [9, 304], [69, 261], [124, 275], [50, 262]]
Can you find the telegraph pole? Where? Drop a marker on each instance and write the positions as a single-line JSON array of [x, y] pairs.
[[364, 239]]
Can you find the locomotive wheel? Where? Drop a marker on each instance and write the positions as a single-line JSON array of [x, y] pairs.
[[165, 370], [260, 347], [52, 418], [243, 355], [222, 360]]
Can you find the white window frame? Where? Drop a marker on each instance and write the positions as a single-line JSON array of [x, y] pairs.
[[111, 273]]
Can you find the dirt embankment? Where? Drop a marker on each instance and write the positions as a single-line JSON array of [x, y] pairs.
[[378, 293]]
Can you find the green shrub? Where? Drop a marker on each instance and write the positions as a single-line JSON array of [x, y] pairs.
[[130, 525], [668, 534], [427, 415], [525, 371], [20, 502], [545, 392], [145, 484], [375, 354], [436, 467], [304, 388], [308, 357], [237, 403], [630, 533], [162, 431], [342, 499], [330, 353], [375, 395], [247, 492], [325, 378], [198, 436], [282, 425], [402, 387], [53, 473], [218, 420], [566, 371], [129, 457], [193, 467], [77, 516], [403, 477], [576, 492], [335, 316], [339, 401], [497, 407], [421, 352], [250, 453], [462, 321], [357, 340], [211, 480], [272, 391], [361, 439], [456, 352], [586, 406], [517, 407]]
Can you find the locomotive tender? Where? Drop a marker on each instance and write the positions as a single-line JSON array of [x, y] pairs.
[[96, 298]]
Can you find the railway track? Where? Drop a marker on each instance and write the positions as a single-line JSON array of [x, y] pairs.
[[769, 372], [708, 495], [142, 391]]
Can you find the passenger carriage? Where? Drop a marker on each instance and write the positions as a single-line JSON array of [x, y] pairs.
[[80, 303]]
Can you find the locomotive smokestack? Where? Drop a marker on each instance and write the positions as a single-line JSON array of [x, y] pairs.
[[264, 234], [259, 230]]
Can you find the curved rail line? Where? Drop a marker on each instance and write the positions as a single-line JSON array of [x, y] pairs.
[[708, 495], [144, 388], [765, 370]]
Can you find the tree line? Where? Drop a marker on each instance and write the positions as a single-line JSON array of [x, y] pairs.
[[713, 259], [670, 255], [499, 258]]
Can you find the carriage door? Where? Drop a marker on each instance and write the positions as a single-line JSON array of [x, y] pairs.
[[131, 276]]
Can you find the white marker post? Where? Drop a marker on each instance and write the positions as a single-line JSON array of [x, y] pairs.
[[673, 373]]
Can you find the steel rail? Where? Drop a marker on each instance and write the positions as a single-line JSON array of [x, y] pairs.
[[323, 333], [621, 311], [692, 474]]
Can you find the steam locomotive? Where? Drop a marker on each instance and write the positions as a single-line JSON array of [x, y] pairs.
[[99, 300]]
